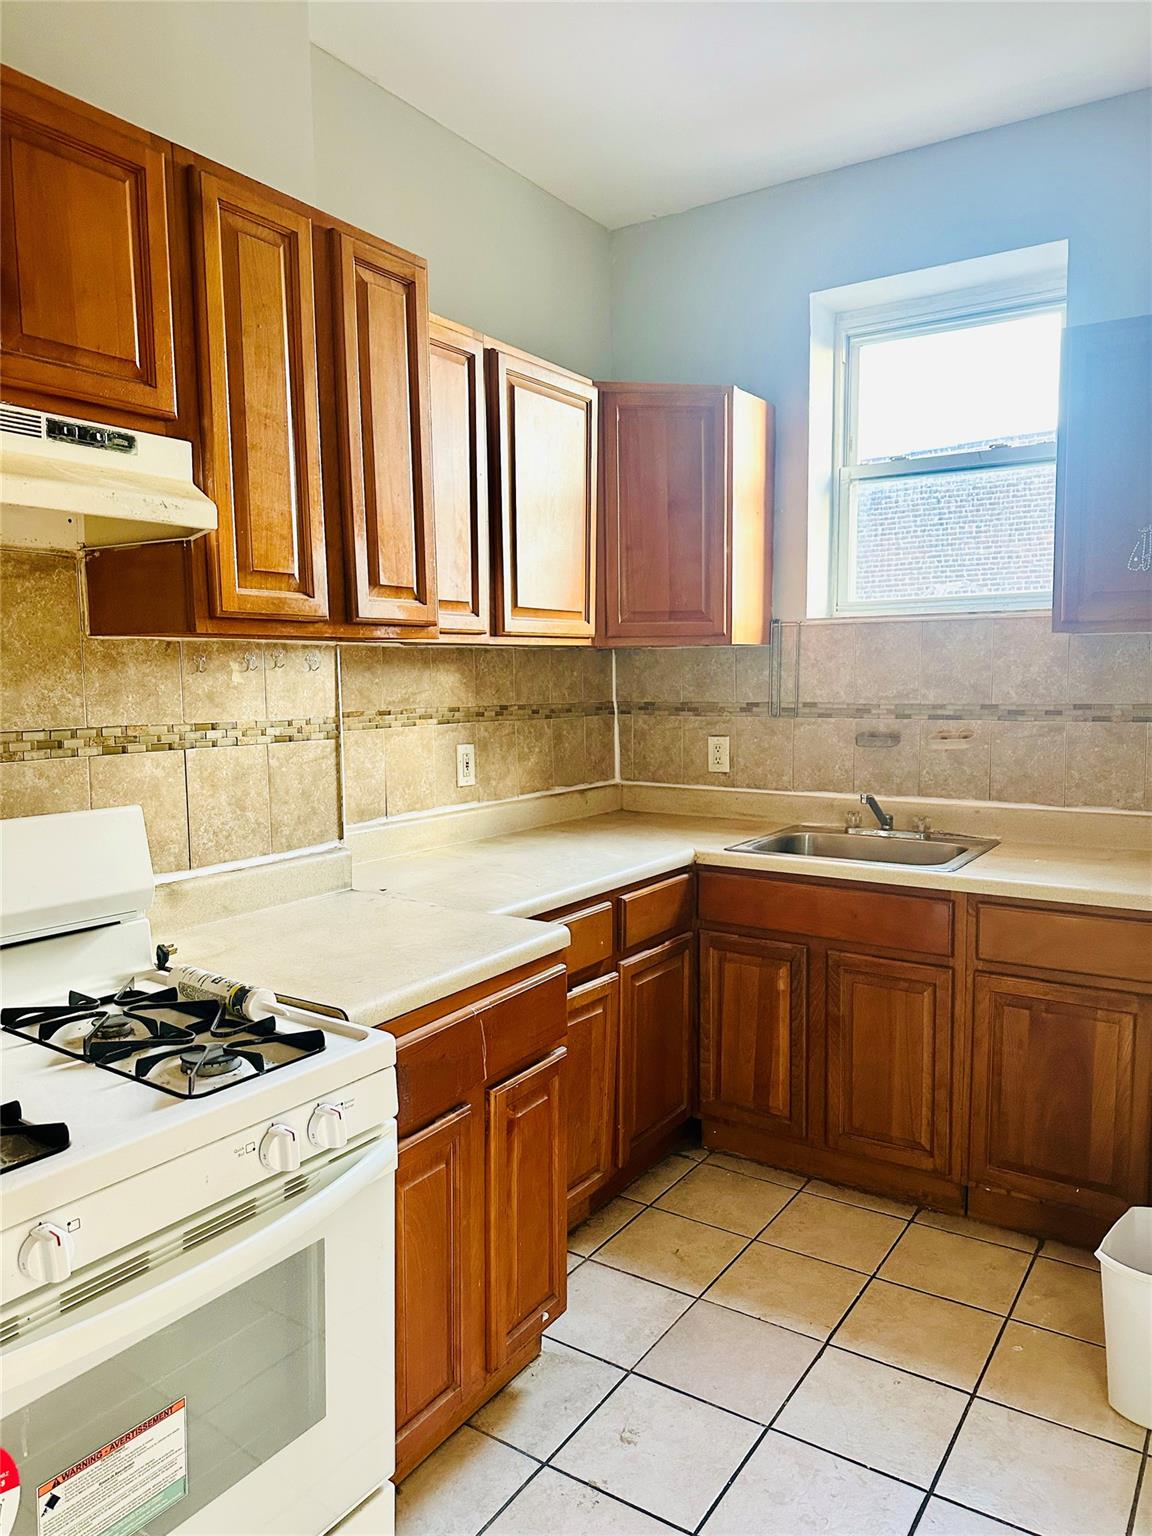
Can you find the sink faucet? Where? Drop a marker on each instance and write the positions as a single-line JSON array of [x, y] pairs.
[[882, 816]]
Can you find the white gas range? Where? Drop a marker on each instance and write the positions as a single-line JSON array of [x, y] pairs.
[[196, 1225]]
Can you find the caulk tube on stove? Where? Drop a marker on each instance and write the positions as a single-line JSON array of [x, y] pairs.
[[243, 1001]]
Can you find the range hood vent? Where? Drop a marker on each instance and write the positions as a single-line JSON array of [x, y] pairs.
[[72, 484]]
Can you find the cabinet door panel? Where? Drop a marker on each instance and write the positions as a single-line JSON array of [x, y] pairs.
[[753, 1031], [657, 1045], [544, 426], [439, 1278], [261, 433], [889, 1060], [664, 513], [460, 478], [1103, 576], [527, 1209], [1061, 1092], [87, 294], [589, 1083], [382, 324]]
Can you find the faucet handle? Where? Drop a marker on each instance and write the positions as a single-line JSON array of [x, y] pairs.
[[852, 821], [922, 825]]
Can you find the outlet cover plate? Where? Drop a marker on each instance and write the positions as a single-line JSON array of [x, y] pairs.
[[465, 765], [719, 760]]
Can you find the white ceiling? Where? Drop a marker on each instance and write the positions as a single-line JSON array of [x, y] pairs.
[[628, 109]]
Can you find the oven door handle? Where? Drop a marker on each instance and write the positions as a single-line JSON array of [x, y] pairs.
[[150, 1303]]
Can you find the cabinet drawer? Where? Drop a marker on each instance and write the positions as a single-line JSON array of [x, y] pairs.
[[920, 925], [1066, 941], [438, 1068], [591, 937], [659, 909]]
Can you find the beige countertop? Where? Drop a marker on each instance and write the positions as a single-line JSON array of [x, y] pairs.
[[376, 957], [526, 873]]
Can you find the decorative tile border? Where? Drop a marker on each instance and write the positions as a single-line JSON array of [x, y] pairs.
[[392, 719], [117, 740], [1135, 714]]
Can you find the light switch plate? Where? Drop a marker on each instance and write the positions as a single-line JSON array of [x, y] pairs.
[[718, 754], [465, 765]]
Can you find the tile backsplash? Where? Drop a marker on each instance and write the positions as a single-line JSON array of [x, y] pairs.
[[234, 749], [237, 749], [970, 708]]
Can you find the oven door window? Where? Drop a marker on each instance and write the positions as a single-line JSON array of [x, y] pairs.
[[251, 1367]]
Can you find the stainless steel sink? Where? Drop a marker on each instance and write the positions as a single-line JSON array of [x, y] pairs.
[[862, 845]]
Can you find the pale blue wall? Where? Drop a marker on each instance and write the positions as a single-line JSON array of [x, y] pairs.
[[720, 294]]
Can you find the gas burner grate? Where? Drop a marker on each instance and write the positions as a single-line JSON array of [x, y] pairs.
[[22, 1143], [92, 1028]]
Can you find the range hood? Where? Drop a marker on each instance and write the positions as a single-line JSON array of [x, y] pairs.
[[72, 484]]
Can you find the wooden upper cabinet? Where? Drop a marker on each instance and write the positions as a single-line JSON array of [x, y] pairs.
[[889, 1029], [87, 290], [459, 476], [543, 458], [381, 323], [261, 437], [1061, 1108], [754, 1032], [686, 514], [1103, 574]]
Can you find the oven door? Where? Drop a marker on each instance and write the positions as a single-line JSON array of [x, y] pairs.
[[241, 1387]]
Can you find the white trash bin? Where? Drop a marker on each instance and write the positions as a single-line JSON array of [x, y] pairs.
[[1126, 1272]]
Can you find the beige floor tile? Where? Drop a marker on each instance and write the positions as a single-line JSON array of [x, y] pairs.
[[792, 1489], [372, 1518], [1142, 1525], [615, 1316], [980, 1274], [891, 1421], [1057, 1378], [788, 1288], [964, 1226], [602, 1225], [944, 1519], [731, 1360], [920, 1333], [753, 1170], [1064, 1253], [837, 1233], [860, 1197], [574, 1262], [554, 1505], [654, 1181], [540, 1407], [659, 1450], [671, 1250], [460, 1487], [1041, 1476], [1064, 1298], [725, 1199]]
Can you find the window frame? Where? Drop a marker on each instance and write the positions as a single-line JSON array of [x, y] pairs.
[[938, 312]]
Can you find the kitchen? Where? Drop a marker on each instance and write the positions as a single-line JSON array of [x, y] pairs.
[[603, 728]]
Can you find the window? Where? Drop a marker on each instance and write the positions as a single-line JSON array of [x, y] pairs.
[[944, 487]]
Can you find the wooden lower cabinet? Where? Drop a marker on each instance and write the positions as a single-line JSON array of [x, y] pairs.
[[1061, 1102], [526, 1208], [889, 1060], [753, 1031], [439, 1277], [589, 1084], [657, 1045]]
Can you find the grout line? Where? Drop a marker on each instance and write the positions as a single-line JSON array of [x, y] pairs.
[[972, 1399], [1141, 1475]]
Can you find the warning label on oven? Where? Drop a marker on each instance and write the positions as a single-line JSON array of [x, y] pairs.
[[119, 1488]]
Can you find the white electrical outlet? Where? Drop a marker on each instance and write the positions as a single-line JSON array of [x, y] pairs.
[[465, 765], [718, 759]]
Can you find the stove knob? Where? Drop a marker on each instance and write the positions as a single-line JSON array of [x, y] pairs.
[[327, 1128], [46, 1254], [280, 1149]]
